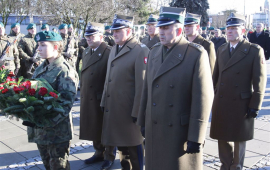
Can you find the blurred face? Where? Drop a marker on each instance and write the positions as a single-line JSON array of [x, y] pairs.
[[94, 40], [191, 29], [204, 31], [212, 32], [109, 31], [217, 33], [70, 29], [234, 33], [152, 29], [46, 50], [16, 29], [2, 31], [168, 35], [64, 31], [121, 35], [32, 31], [46, 29], [259, 28]]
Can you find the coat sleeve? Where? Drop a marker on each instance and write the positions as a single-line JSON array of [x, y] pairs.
[[212, 55], [16, 57], [216, 72], [140, 67], [21, 48], [202, 99], [259, 78]]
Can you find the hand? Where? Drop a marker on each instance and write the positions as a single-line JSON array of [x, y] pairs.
[[29, 124], [252, 113], [193, 147], [16, 71], [134, 119]]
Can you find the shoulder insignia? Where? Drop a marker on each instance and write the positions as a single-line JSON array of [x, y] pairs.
[[143, 45], [197, 46], [255, 45]]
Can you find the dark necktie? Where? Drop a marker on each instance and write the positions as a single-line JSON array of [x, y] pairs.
[[231, 50]]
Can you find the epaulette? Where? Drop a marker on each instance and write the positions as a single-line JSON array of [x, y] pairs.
[[255, 45], [157, 44], [197, 46]]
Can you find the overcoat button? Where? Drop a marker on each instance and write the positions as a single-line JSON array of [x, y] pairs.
[[171, 86], [154, 104], [171, 105], [157, 86], [170, 124]]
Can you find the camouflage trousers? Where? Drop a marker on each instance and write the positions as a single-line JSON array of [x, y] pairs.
[[55, 156]]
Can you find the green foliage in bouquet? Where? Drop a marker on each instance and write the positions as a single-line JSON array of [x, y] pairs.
[[31, 100]]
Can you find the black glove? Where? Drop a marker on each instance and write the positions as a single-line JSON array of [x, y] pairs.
[[193, 147], [252, 113], [134, 119], [26, 123], [16, 71]]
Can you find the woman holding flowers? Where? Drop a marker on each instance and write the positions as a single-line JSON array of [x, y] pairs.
[[53, 139]]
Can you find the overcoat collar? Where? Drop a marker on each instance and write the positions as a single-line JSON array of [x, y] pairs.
[[240, 52], [173, 59], [96, 56], [153, 41], [126, 47], [199, 40], [46, 66]]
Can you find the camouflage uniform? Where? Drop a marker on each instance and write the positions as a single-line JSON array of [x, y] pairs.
[[109, 39], [13, 35], [82, 46], [53, 142], [73, 58], [27, 49], [9, 63]]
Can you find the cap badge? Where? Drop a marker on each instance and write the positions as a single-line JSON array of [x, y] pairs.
[[37, 37]]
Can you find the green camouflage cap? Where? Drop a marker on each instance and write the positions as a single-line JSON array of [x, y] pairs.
[[192, 19], [14, 25], [171, 15], [1, 24], [44, 26], [31, 26], [47, 36], [62, 26]]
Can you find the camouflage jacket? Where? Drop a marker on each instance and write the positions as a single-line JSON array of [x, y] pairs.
[[66, 41], [27, 48], [13, 35], [64, 79], [10, 63]]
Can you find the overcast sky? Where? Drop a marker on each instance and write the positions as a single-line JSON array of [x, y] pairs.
[[252, 6]]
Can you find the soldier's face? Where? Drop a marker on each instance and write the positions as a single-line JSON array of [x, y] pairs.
[[2, 31], [217, 33], [16, 29], [70, 29], [191, 29], [152, 29], [32, 31], [46, 50], [259, 28], [64, 31], [121, 35], [234, 33], [94, 41], [168, 35]]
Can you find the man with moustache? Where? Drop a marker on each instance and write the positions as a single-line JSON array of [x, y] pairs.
[[177, 98], [192, 26], [218, 39], [93, 75], [239, 79], [152, 31], [122, 93]]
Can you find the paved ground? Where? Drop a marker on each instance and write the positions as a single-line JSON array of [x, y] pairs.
[[17, 153]]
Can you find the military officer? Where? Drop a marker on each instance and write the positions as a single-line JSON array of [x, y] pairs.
[[152, 31], [108, 36], [45, 27], [28, 52], [239, 79], [70, 45], [122, 92], [177, 98], [192, 25], [53, 140], [204, 33], [9, 52], [93, 74]]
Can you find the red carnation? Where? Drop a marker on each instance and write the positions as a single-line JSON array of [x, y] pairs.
[[2, 67], [42, 91], [10, 79], [26, 84], [11, 74], [1, 88], [12, 84], [18, 89], [53, 95], [4, 91], [32, 92]]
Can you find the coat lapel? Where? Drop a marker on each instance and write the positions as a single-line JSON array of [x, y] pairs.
[[198, 40], [173, 59], [91, 59], [152, 42], [238, 54], [126, 48]]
